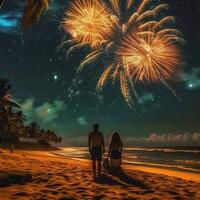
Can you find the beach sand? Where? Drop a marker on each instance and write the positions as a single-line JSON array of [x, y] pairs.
[[55, 177]]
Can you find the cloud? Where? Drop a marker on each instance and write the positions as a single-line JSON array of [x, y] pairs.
[[82, 121], [173, 139], [45, 114], [192, 79], [48, 112], [27, 107], [9, 22], [176, 139], [146, 97]]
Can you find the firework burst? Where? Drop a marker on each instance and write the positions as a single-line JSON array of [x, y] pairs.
[[139, 47], [147, 56], [88, 22]]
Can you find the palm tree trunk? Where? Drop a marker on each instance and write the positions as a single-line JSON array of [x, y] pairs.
[[1, 3], [3, 135]]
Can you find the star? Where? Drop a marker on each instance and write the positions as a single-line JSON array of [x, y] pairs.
[[54, 93], [55, 77], [190, 85]]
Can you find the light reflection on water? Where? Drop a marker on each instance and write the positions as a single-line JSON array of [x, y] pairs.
[[182, 159]]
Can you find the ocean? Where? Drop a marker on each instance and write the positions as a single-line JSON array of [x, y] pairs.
[[179, 158]]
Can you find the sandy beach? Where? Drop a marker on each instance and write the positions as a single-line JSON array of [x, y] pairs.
[[60, 178]]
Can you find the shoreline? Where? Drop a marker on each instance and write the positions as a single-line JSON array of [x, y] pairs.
[[29, 146], [190, 176], [168, 171], [58, 177], [185, 174]]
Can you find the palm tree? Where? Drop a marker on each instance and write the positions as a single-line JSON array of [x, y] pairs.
[[26, 132], [8, 122], [58, 140], [32, 11], [48, 135], [1, 3], [5, 96], [12, 123], [23, 133], [33, 129], [6, 103], [20, 118]]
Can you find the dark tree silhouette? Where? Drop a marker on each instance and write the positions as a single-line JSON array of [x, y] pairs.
[[6, 96], [12, 127], [7, 116]]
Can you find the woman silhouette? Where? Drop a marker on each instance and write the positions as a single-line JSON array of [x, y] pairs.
[[115, 151]]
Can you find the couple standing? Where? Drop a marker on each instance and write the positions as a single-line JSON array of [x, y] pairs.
[[97, 149]]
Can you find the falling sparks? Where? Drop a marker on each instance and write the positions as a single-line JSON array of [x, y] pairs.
[[148, 56], [88, 22], [138, 48]]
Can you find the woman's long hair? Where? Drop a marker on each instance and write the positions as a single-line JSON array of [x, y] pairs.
[[115, 139]]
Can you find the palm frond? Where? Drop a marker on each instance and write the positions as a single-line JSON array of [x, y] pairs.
[[3, 110], [32, 11], [10, 103], [1, 3]]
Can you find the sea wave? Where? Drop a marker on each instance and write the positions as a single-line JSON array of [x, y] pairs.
[[155, 157], [162, 150]]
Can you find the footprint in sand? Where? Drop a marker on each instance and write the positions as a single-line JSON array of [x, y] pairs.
[[172, 192], [155, 198], [66, 177], [147, 192], [21, 194], [40, 180], [66, 198], [99, 197], [74, 184]]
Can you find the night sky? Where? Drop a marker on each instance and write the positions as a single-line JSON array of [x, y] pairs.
[[51, 91]]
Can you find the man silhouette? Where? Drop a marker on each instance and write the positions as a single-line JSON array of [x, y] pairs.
[[96, 148]]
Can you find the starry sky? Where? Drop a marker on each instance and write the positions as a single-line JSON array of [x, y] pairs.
[[50, 90]]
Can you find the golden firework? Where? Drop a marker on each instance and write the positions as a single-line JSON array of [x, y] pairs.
[[137, 47], [148, 56], [88, 21]]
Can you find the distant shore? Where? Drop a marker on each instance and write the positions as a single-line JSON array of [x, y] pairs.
[[30, 146], [56, 177]]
